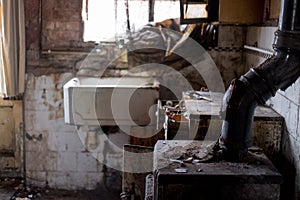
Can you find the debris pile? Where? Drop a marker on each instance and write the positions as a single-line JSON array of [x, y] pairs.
[[23, 192], [18, 189]]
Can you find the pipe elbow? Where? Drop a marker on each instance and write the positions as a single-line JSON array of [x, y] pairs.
[[261, 83], [245, 93], [237, 111]]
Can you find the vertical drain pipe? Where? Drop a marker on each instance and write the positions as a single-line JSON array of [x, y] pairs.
[[260, 83]]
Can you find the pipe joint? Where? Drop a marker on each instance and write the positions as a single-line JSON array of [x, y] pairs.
[[259, 85], [288, 41]]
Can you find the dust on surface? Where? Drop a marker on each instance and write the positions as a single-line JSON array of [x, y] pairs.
[[15, 189]]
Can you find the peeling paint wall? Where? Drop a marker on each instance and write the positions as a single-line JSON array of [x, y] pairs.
[[55, 155], [11, 144]]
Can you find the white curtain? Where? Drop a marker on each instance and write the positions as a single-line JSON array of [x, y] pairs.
[[12, 51]]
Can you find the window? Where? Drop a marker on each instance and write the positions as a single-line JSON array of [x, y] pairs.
[[160, 8], [111, 20]]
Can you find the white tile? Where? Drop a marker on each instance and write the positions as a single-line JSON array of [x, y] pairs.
[[37, 178], [252, 61], [29, 120], [51, 160], [58, 180], [65, 141], [86, 163], [35, 161], [78, 180], [73, 143], [41, 120], [275, 102], [55, 143], [293, 92], [94, 179], [298, 127], [280, 104], [292, 119], [67, 162], [262, 36]]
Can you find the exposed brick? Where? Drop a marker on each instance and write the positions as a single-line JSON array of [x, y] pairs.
[[49, 25], [62, 36], [73, 26], [33, 55], [32, 25], [60, 26], [72, 16], [62, 23]]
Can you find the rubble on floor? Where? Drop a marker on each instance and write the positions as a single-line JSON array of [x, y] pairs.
[[15, 189]]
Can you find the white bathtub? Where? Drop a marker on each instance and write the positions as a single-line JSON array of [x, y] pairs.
[[110, 101]]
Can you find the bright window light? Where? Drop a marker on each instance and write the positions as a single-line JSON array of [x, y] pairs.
[[106, 21]]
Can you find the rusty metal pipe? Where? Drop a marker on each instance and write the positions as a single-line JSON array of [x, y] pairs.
[[260, 83]]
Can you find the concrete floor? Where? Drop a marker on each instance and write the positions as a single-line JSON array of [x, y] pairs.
[[6, 193], [78, 195], [9, 191]]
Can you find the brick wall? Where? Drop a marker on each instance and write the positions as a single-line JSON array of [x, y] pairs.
[[62, 26]]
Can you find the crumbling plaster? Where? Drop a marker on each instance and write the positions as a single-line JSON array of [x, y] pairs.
[[55, 155]]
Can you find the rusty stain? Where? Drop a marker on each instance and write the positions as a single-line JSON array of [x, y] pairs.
[[55, 99], [60, 113], [51, 108]]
